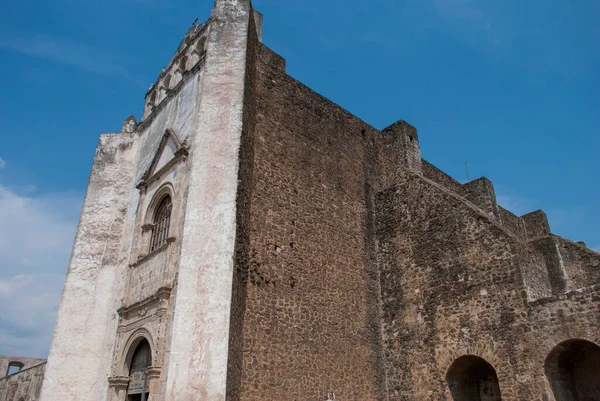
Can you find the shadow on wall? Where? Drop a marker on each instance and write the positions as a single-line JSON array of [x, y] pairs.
[[471, 378], [573, 371]]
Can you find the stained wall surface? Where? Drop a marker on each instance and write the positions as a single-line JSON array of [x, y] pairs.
[[311, 256], [22, 362], [458, 281], [351, 229], [23, 386]]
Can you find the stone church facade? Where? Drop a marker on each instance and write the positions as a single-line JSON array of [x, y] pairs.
[[248, 240]]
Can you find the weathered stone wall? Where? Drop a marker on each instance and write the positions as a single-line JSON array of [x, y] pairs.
[[310, 254], [24, 363], [23, 386], [457, 282], [435, 174], [311, 322], [449, 285], [87, 333], [581, 265], [543, 325], [86, 325], [199, 346], [243, 202]]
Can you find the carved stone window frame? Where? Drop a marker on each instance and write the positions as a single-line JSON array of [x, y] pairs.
[[153, 176], [166, 190]]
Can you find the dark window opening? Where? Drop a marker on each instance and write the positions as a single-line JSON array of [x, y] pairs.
[[471, 378], [573, 370], [162, 219], [138, 397], [138, 373]]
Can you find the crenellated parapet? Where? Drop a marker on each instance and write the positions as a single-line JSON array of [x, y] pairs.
[[187, 60], [480, 192]]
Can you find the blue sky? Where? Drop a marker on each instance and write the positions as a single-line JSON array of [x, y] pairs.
[[512, 87]]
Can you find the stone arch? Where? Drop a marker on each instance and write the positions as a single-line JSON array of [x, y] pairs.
[[130, 347], [165, 190], [152, 101], [166, 83], [573, 370], [201, 45], [183, 64], [141, 361], [471, 378]]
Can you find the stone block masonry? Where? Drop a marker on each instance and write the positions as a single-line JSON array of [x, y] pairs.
[[304, 253]]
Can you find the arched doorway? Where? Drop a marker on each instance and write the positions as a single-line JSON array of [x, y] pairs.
[[573, 370], [471, 378], [137, 390]]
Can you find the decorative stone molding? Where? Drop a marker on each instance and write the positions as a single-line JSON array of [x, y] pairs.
[[153, 372], [152, 302], [129, 125], [118, 382], [180, 154], [189, 50], [145, 257]]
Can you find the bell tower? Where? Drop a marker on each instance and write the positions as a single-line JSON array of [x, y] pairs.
[[199, 348], [146, 308]]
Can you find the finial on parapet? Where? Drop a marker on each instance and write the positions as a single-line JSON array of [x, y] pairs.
[[129, 125]]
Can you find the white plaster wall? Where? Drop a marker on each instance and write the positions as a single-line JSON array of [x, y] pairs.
[[208, 111], [79, 359], [199, 346], [82, 351]]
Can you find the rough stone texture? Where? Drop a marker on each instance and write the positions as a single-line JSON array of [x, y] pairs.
[[311, 290], [309, 256], [452, 285], [24, 385], [23, 363], [86, 323]]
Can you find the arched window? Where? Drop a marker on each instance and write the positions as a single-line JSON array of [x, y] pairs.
[[162, 219], [183, 64], [138, 375], [167, 83], [200, 46], [573, 370], [14, 367], [471, 378], [152, 99]]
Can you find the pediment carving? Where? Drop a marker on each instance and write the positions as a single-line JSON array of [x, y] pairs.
[[170, 152]]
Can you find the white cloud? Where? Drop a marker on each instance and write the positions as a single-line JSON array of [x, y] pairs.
[[68, 52], [36, 236], [2, 163]]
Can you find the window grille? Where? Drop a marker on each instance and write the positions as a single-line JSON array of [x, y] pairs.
[[162, 219]]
